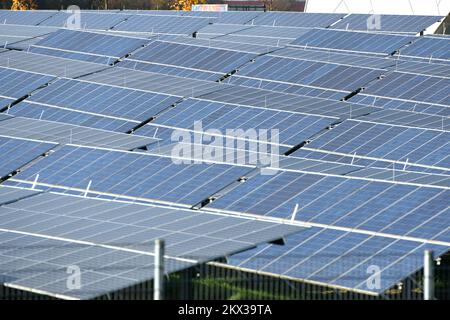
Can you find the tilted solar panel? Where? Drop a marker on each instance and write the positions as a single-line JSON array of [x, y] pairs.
[[429, 48], [15, 153], [137, 175], [296, 19], [16, 84]]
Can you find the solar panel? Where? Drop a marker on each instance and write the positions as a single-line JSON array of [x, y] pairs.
[[338, 259], [429, 48], [415, 88], [287, 102], [396, 104], [359, 204], [189, 56], [16, 84], [103, 100], [88, 20], [88, 46], [29, 17], [153, 82], [388, 23], [310, 73], [51, 113], [395, 143], [10, 195], [162, 24], [362, 42], [49, 131], [54, 66], [136, 175], [15, 153], [293, 127], [296, 19], [113, 252]]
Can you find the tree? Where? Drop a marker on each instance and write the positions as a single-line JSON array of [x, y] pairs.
[[185, 5], [23, 5]]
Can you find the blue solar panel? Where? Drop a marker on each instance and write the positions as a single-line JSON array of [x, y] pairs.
[[430, 48], [162, 24], [361, 204], [296, 19], [30, 17], [88, 46], [388, 23], [15, 153], [134, 174], [395, 143], [88, 20], [38, 111], [418, 88], [293, 128], [16, 84], [195, 57], [103, 100], [311, 73], [353, 41], [338, 258]]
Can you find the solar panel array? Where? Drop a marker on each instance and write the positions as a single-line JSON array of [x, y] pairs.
[[95, 122]]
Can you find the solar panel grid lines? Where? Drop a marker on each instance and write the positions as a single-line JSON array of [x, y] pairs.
[[63, 133], [348, 41], [79, 44], [47, 223]]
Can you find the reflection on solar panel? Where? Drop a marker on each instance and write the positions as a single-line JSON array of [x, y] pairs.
[[65, 133], [103, 100], [16, 84], [89, 230], [195, 57], [429, 48], [15, 153], [353, 41], [295, 19], [147, 177], [338, 258], [293, 127], [9, 195], [87, 46], [395, 143], [389, 23]]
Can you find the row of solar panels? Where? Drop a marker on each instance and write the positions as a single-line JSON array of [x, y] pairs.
[[359, 196], [176, 22]]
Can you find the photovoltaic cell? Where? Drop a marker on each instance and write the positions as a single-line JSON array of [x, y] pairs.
[[135, 174], [84, 225], [89, 20], [295, 19], [15, 153], [103, 100], [16, 84], [429, 48], [353, 41], [293, 127], [63, 133], [395, 143], [44, 112]]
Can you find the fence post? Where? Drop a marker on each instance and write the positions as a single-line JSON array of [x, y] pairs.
[[158, 290], [428, 275]]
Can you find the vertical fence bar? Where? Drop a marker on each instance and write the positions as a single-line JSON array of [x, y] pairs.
[[428, 276], [158, 290]]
